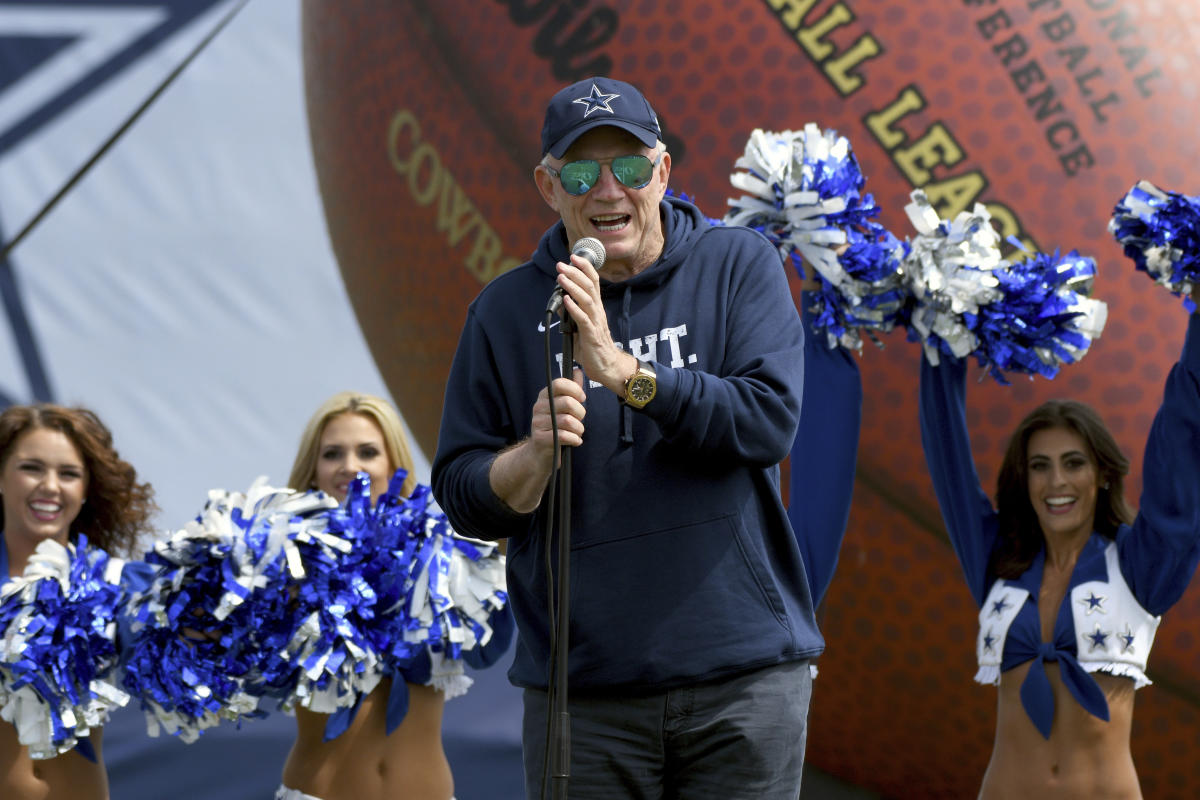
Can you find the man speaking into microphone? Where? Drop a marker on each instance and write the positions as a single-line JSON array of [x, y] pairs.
[[691, 624]]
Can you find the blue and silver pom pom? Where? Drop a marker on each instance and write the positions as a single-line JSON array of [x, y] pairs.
[[405, 586], [282, 596], [804, 193], [950, 273], [435, 590], [1044, 318], [219, 610], [868, 294], [1027, 317], [349, 596], [455, 585], [1160, 231], [59, 653]]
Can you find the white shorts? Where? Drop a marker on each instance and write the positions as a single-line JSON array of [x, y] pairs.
[[284, 793]]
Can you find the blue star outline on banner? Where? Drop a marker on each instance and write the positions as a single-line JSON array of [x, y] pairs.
[[115, 35], [53, 55]]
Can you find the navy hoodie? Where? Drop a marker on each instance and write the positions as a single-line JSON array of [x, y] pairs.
[[684, 567]]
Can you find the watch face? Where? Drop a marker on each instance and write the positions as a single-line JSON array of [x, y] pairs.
[[641, 389]]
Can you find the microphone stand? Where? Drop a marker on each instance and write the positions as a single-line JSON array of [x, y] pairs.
[[560, 733]]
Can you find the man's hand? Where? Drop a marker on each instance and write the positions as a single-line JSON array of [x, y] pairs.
[[568, 414], [595, 349], [518, 475]]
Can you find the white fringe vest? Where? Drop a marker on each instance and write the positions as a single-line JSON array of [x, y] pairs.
[[1113, 633]]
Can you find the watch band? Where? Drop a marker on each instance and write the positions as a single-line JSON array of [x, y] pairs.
[[641, 386]]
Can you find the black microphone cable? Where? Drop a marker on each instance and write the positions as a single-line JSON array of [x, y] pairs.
[[593, 251], [548, 537]]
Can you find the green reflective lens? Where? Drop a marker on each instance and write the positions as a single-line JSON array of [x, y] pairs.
[[633, 171], [578, 177]]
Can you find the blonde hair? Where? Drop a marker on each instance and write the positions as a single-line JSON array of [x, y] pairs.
[[383, 413]]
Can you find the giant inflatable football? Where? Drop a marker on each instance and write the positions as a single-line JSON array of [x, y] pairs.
[[425, 118]]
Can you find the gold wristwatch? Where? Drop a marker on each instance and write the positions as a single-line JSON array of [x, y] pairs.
[[641, 386]]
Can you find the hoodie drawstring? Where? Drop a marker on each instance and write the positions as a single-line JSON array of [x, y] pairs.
[[626, 424]]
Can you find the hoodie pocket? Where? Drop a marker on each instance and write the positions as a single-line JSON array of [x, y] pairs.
[[680, 602]]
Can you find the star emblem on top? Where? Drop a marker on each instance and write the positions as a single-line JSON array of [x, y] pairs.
[[1126, 639], [1093, 602], [1098, 639], [596, 100], [998, 606]]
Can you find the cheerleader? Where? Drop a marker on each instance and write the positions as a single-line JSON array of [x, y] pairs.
[[1070, 584], [350, 755], [60, 480]]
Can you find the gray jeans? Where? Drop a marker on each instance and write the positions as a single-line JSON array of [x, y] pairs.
[[742, 737]]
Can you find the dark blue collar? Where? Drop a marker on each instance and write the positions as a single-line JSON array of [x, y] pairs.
[[1037, 696]]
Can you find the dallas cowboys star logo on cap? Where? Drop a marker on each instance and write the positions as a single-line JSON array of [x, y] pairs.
[[597, 101]]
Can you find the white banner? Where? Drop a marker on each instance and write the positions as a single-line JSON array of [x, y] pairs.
[[185, 289]]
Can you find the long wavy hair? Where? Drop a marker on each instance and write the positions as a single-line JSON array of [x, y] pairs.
[[383, 413], [1020, 534], [117, 508]]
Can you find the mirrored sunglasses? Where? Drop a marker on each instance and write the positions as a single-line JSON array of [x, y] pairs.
[[578, 177]]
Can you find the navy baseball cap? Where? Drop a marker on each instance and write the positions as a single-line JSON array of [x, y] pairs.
[[591, 103]]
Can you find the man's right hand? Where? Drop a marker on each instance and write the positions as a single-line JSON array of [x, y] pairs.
[[569, 412], [519, 474]]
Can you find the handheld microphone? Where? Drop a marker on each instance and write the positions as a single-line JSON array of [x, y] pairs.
[[588, 247]]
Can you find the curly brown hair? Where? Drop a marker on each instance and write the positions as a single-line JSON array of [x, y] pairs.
[[118, 508], [1020, 533]]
